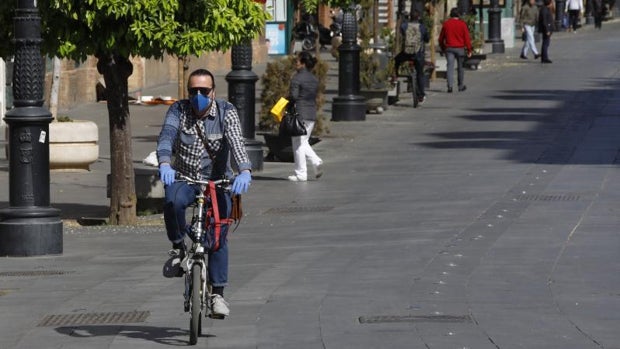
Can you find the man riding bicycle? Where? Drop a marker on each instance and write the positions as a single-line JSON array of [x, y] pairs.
[[196, 140], [414, 35]]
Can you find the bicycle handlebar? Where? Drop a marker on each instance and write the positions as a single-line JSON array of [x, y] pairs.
[[194, 181]]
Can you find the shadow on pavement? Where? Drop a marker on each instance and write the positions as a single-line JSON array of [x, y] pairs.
[[565, 134], [161, 335]]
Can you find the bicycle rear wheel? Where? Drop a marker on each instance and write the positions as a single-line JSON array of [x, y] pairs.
[[414, 89], [195, 321]]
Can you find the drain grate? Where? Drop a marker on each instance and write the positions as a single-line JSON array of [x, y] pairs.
[[414, 318], [33, 273], [298, 209], [94, 318], [548, 197], [5, 291]]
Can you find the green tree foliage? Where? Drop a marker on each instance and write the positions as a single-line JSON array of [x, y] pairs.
[[312, 6], [115, 30]]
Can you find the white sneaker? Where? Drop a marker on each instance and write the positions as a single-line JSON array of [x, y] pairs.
[[318, 170], [219, 307], [295, 178]]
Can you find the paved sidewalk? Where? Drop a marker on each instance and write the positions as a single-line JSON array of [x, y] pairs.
[[483, 219]]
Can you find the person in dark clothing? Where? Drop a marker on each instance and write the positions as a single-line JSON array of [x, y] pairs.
[[416, 57], [598, 9], [545, 27]]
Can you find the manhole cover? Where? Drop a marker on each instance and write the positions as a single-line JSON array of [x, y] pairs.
[[414, 318], [33, 273], [94, 318], [548, 197], [298, 209]]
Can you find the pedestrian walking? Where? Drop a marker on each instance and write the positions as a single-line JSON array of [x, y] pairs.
[[598, 11], [303, 91], [455, 43], [528, 16], [574, 8], [545, 27]]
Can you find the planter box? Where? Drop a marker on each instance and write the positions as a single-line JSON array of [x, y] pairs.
[[474, 61], [73, 145], [376, 100], [281, 148], [150, 191]]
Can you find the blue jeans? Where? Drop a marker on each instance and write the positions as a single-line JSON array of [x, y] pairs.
[[529, 42], [179, 196]]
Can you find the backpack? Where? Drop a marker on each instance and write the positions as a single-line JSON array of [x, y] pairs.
[[413, 38]]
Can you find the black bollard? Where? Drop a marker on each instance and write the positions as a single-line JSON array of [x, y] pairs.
[[29, 226], [495, 27], [559, 14], [349, 105], [242, 94]]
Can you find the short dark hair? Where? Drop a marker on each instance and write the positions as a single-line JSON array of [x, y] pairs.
[[306, 59], [454, 12], [547, 2], [201, 72]]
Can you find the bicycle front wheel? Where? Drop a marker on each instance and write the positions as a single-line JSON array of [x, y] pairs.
[[195, 321]]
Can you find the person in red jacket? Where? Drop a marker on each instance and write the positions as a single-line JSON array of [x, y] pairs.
[[455, 43]]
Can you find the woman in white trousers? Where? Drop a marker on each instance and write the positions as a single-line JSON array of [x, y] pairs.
[[303, 92]]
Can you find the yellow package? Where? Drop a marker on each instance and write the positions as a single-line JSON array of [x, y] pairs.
[[278, 109]]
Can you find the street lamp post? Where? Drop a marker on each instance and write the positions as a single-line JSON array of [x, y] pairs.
[[349, 105], [495, 27], [242, 93], [29, 226]]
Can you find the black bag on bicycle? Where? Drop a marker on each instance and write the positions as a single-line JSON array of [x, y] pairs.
[[291, 124]]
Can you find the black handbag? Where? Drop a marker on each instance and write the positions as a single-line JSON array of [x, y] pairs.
[[291, 124]]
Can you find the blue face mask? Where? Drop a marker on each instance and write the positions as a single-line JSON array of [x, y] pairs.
[[200, 103]]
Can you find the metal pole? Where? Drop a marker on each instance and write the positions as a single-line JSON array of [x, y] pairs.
[[495, 27], [2, 91], [29, 226], [349, 105], [242, 93]]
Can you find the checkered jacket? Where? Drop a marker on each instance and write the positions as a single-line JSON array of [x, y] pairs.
[[200, 149]]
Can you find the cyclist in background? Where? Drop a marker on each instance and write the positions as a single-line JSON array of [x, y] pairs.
[[201, 132], [414, 35]]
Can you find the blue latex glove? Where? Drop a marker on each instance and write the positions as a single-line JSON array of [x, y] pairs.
[[242, 183], [166, 174]]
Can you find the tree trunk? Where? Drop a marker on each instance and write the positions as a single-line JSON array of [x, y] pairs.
[[55, 86], [116, 71], [186, 76], [180, 83]]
